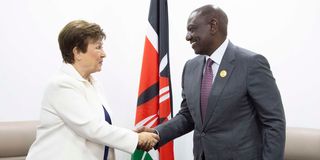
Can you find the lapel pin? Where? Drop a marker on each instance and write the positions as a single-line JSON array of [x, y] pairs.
[[223, 73]]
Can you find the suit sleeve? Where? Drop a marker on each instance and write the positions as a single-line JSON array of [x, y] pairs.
[[266, 98], [70, 104], [180, 124]]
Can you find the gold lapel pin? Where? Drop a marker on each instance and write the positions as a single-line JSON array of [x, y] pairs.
[[223, 73]]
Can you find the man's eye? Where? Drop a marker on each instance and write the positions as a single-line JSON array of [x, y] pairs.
[[192, 29], [99, 47]]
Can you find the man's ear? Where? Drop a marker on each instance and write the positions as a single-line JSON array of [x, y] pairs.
[[76, 53], [214, 25]]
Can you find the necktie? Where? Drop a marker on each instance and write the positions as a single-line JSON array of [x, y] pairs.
[[206, 85], [108, 119]]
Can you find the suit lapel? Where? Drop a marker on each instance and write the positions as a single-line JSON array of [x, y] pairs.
[[196, 85], [220, 81]]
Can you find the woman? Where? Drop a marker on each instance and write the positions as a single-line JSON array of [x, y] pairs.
[[74, 121]]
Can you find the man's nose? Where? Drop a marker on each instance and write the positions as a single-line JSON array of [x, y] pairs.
[[188, 36]]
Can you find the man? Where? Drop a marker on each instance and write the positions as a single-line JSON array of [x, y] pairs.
[[230, 98]]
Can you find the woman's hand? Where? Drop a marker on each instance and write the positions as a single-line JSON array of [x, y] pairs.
[[147, 140]]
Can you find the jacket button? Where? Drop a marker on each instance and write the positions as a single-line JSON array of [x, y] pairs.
[[203, 134]]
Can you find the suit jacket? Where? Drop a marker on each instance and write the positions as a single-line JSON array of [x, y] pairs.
[[244, 119], [72, 122]]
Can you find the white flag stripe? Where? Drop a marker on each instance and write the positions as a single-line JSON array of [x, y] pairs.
[[163, 63], [151, 123], [141, 123], [152, 36], [164, 97], [163, 90], [154, 154], [144, 154]]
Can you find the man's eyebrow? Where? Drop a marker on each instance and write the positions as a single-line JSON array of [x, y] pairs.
[[191, 26]]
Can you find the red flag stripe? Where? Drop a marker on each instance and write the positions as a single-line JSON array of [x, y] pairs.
[[149, 71]]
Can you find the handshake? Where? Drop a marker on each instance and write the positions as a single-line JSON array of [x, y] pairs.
[[147, 138]]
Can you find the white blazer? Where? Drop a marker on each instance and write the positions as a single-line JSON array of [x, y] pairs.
[[72, 123]]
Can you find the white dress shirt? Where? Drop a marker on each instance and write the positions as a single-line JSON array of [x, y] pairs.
[[216, 56]]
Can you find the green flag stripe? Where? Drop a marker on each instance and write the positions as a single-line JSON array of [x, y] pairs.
[[139, 155]]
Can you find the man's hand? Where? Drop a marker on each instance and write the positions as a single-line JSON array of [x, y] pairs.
[[144, 129]]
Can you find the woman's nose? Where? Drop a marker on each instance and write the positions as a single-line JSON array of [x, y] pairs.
[[103, 55]]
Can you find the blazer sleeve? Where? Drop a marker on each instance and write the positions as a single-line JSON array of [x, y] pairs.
[[266, 98], [69, 102], [180, 124]]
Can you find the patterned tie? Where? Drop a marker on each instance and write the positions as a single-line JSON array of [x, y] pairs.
[[108, 119], [206, 85]]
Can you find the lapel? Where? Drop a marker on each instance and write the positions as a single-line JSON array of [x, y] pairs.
[[220, 82], [196, 86]]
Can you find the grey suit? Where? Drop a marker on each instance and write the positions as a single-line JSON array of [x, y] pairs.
[[245, 118]]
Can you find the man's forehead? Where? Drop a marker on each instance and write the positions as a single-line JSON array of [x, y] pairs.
[[194, 18], [193, 14]]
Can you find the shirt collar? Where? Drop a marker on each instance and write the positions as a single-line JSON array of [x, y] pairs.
[[217, 55]]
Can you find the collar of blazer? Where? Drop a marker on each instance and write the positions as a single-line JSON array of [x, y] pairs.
[[71, 71]]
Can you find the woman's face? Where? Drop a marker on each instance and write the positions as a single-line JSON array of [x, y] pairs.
[[92, 60]]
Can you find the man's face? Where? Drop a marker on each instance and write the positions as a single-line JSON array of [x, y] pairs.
[[199, 34]]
